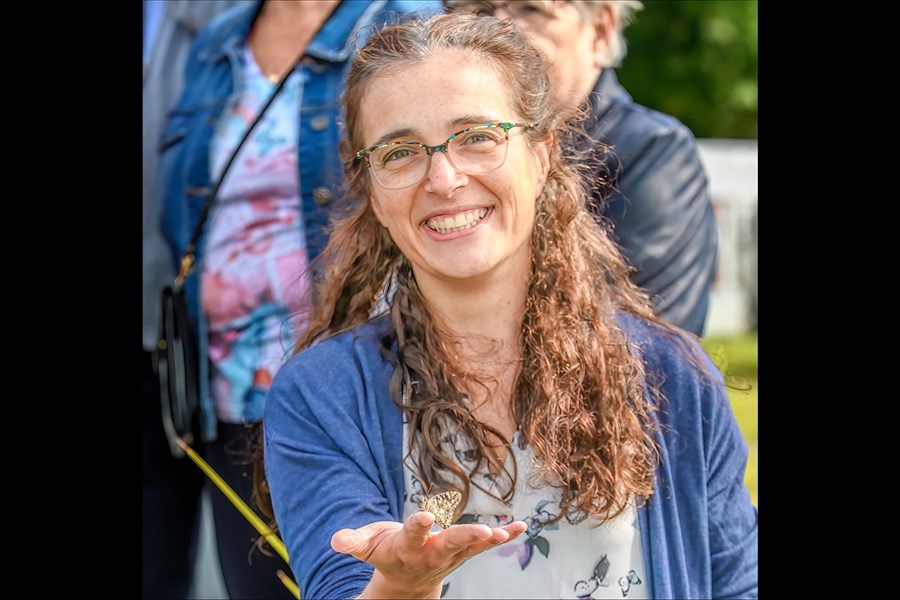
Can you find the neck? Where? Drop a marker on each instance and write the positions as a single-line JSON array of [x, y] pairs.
[[580, 91], [485, 313], [484, 320], [283, 30], [483, 317]]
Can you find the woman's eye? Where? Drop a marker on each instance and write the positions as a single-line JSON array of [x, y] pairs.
[[532, 9], [399, 154], [478, 138]]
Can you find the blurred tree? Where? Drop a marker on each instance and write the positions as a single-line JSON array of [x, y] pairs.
[[697, 60]]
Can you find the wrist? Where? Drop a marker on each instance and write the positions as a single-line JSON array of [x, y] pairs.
[[383, 587]]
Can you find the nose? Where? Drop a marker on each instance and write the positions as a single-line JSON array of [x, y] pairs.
[[501, 10], [442, 177], [501, 13]]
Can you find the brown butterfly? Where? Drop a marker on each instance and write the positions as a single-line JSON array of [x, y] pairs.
[[442, 505]]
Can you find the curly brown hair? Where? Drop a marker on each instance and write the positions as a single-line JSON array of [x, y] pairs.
[[580, 393]]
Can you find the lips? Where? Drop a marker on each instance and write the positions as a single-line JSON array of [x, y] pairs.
[[459, 222]]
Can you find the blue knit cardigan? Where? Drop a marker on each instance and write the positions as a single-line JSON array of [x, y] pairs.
[[333, 460]]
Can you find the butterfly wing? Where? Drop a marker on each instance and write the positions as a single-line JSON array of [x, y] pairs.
[[442, 506]]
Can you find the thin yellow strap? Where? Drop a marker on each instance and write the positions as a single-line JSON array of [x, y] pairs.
[[248, 513]]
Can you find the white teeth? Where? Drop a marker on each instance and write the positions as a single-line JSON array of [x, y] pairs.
[[457, 223]]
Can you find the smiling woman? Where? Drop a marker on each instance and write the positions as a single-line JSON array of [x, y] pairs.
[[519, 392], [483, 177]]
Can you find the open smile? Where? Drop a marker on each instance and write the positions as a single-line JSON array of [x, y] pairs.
[[456, 223]]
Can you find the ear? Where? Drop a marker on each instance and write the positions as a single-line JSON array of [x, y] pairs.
[[604, 23], [542, 152]]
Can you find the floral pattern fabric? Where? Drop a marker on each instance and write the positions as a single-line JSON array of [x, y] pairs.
[[254, 290], [572, 558]]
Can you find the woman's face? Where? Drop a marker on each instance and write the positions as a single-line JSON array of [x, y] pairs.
[[452, 226]]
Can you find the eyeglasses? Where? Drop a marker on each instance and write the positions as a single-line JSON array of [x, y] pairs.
[[473, 151], [531, 12]]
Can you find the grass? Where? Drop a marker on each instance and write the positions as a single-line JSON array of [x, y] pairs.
[[738, 358]]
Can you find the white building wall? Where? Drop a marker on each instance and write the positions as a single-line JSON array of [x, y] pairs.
[[733, 168]]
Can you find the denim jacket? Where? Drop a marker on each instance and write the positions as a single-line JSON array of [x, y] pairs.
[[180, 23], [212, 77]]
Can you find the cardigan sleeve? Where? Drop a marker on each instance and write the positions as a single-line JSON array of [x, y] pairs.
[[733, 520], [718, 517], [325, 461], [700, 527]]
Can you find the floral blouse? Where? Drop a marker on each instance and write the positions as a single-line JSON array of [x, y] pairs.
[[572, 558]]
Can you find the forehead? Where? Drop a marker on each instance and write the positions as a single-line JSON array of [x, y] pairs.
[[430, 97], [539, 13]]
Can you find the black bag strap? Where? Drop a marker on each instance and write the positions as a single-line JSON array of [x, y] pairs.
[[187, 259]]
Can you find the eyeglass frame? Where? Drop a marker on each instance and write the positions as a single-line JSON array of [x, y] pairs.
[[443, 147]]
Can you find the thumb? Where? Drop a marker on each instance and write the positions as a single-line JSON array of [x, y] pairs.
[[351, 541], [417, 528]]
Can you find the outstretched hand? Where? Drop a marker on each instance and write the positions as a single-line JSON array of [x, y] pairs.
[[410, 561]]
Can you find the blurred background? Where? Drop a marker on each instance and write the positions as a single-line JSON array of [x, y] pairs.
[[696, 60], [699, 61]]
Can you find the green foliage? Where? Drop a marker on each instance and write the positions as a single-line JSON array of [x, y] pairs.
[[745, 404], [735, 355], [697, 60], [738, 358]]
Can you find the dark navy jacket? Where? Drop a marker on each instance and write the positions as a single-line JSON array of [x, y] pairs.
[[660, 207]]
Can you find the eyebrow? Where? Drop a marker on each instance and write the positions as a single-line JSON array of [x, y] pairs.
[[456, 124]]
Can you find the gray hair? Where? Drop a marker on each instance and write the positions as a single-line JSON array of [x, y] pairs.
[[624, 10]]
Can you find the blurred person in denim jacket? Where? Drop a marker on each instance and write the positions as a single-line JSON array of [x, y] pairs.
[[650, 184], [251, 292], [171, 487]]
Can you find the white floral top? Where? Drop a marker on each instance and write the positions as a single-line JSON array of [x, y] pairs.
[[567, 559]]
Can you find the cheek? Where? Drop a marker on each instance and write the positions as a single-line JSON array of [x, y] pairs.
[[547, 46], [391, 210], [525, 193], [377, 209], [550, 47]]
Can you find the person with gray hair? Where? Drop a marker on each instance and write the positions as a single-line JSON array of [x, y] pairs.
[[649, 182]]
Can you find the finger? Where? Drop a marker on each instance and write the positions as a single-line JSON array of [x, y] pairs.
[[358, 541], [460, 537], [417, 528], [349, 541], [499, 535], [515, 529]]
